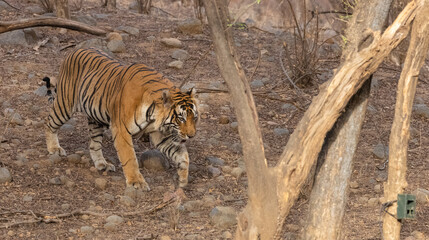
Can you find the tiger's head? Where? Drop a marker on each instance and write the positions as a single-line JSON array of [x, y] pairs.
[[183, 114]]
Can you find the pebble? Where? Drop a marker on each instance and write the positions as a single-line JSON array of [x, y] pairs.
[[281, 131], [86, 229], [192, 205], [16, 119], [422, 195], [226, 169], [380, 151], [190, 26], [55, 158], [257, 83], [108, 197], [115, 219], [180, 54], [223, 119], [164, 237], [226, 235], [215, 161], [68, 171], [223, 217], [213, 171], [70, 184], [288, 107], [154, 160], [127, 201], [171, 42], [5, 175], [55, 181], [418, 235], [377, 188], [74, 158], [354, 185], [116, 46], [372, 202], [27, 198], [100, 183], [67, 127], [110, 226], [421, 110], [209, 201], [237, 172], [114, 36], [130, 30], [176, 64], [65, 206]]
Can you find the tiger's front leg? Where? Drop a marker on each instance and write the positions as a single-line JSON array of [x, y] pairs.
[[124, 147], [171, 147], [95, 147]]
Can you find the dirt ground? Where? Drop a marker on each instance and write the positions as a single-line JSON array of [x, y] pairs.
[[23, 149]]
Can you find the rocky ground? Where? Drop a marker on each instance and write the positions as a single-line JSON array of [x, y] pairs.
[[35, 187]]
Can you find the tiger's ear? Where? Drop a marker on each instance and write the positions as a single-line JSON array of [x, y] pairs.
[[166, 99], [191, 92]]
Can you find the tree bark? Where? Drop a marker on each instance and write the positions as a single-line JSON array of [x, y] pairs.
[[399, 136], [329, 196], [62, 9], [6, 26], [272, 191], [111, 4]]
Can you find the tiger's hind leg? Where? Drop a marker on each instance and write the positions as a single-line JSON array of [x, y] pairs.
[[57, 117], [174, 150], [95, 146]]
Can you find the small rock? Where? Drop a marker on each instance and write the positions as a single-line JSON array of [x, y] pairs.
[[114, 36], [215, 161], [281, 131], [226, 169], [116, 46], [27, 198], [372, 202], [74, 158], [237, 172], [226, 235], [422, 195], [209, 201], [16, 119], [180, 54], [176, 64], [127, 201], [223, 217], [223, 119], [380, 151], [70, 184], [8, 112], [377, 188], [130, 30], [192, 237], [213, 171], [151, 38], [191, 26], [55, 158], [87, 19], [109, 226], [10, 233], [86, 229], [164, 237], [421, 110], [100, 183], [172, 42], [115, 219], [418, 235], [65, 206], [55, 181], [108, 197], [67, 127], [288, 107], [154, 160], [354, 185], [256, 83], [192, 205], [5, 175], [234, 126], [41, 91]]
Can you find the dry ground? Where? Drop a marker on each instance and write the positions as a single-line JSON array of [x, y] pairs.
[[22, 68]]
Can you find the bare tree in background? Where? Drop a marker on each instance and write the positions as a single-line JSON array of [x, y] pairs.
[[329, 196], [273, 191], [62, 9], [144, 6]]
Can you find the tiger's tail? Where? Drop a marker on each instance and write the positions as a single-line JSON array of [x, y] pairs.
[[49, 86]]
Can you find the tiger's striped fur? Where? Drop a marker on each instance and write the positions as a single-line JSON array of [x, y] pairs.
[[130, 99]]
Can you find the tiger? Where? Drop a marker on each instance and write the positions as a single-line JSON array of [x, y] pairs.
[[130, 100]]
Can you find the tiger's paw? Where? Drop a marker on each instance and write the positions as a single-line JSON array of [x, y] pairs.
[[57, 150], [138, 183], [104, 166]]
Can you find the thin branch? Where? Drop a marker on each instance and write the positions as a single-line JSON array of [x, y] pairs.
[[285, 72], [11, 5], [257, 65]]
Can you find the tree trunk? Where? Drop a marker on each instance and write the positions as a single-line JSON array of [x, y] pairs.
[[272, 191], [52, 22], [111, 4], [144, 6], [329, 196], [398, 146], [62, 9]]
